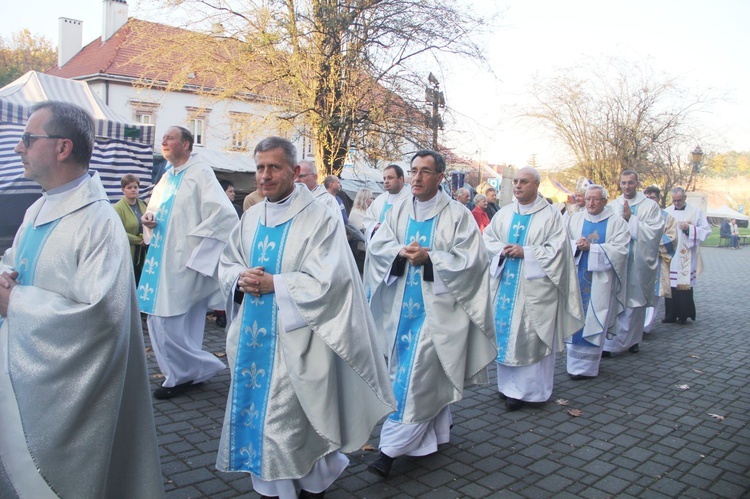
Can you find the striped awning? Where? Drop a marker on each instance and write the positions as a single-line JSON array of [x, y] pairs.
[[16, 98]]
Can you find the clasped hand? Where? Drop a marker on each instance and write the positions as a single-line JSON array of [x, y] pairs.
[[256, 281], [416, 254], [7, 283], [513, 251]]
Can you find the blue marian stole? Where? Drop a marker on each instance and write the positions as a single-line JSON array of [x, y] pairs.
[[29, 248], [596, 234], [509, 282], [256, 348], [412, 316], [149, 283], [387, 206]]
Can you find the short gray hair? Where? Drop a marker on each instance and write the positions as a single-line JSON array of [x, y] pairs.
[[479, 197], [271, 143], [605, 194], [676, 190], [73, 123]]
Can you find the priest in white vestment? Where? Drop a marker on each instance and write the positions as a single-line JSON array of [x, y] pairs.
[[426, 278], [667, 247], [308, 176], [186, 226], [687, 265], [309, 380], [535, 293], [395, 192], [646, 226], [75, 410], [600, 241]]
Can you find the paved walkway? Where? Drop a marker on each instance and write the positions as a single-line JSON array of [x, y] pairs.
[[670, 421]]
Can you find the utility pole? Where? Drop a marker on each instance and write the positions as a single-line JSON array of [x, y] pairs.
[[433, 95]]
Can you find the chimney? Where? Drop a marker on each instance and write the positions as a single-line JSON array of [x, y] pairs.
[[115, 17], [71, 40]]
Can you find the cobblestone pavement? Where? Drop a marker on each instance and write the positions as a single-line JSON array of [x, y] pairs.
[[669, 421]]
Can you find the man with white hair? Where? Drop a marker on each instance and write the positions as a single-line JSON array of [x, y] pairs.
[[600, 240], [534, 289], [463, 196], [309, 176], [687, 265]]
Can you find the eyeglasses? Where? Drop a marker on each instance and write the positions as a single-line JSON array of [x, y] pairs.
[[27, 138], [596, 200], [424, 173]]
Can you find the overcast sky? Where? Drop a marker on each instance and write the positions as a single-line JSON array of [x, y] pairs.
[[703, 43]]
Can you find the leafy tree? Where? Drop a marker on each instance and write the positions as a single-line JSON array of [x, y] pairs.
[[617, 116], [346, 72], [23, 52]]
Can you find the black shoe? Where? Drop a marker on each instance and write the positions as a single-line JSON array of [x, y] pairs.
[[501, 395], [382, 466], [164, 392], [668, 321], [513, 404], [606, 354], [221, 319], [579, 377], [634, 348], [681, 322], [303, 494]]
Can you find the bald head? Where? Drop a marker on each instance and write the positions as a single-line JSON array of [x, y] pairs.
[[526, 185]]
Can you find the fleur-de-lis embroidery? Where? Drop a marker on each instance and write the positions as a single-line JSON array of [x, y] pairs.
[[518, 227], [509, 277], [147, 291], [501, 325], [156, 240], [257, 301], [250, 415], [411, 309], [414, 274], [407, 338], [264, 246], [149, 266], [418, 238], [250, 453], [255, 332], [503, 301], [161, 214], [254, 374]]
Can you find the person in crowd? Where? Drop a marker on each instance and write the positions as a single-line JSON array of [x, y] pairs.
[[395, 192], [480, 212], [601, 241], [228, 187], [75, 412], [309, 381], [309, 176], [492, 207], [362, 201], [687, 265], [646, 225], [426, 277], [188, 221], [734, 235], [130, 209], [251, 199], [537, 303], [667, 247], [333, 185], [463, 196]]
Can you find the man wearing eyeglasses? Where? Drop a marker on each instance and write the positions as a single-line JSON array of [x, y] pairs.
[[426, 277], [693, 229], [537, 304], [600, 241], [75, 412], [308, 175], [646, 226]]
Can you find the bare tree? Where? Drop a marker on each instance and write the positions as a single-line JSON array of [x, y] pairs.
[[343, 71], [617, 116], [24, 52]]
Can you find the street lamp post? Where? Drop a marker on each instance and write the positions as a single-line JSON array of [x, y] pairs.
[[696, 158]]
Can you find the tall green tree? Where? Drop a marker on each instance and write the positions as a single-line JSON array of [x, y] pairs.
[[22, 52]]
